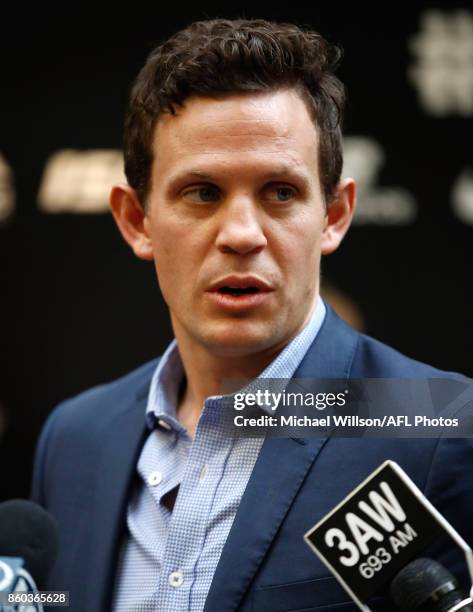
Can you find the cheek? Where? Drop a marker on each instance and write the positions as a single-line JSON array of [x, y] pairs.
[[177, 253], [299, 260], [298, 246]]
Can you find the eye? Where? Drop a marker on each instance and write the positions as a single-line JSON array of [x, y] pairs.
[[281, 193], [201, 194]]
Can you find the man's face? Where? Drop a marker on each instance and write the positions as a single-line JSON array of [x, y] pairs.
[[236, 220]]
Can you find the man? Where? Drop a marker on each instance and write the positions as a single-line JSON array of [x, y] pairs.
[[233, 160]]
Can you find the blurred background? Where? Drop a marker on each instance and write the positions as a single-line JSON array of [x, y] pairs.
[[77, 309]]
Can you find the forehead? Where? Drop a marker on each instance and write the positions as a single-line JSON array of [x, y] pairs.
[[243, 129]]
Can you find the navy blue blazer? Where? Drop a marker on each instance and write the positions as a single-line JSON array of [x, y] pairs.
[[89, 447]]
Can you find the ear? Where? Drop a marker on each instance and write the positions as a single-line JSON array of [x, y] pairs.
[[339, 215], [129, 215]]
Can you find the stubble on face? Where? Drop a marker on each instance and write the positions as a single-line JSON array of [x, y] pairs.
[[241, 148]]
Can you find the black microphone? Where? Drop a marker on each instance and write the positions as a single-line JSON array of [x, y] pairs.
[[29, 532], [426, 585], [375, 537]]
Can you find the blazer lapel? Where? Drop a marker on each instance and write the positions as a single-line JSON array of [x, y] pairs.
[[277, 476], [122, 442]]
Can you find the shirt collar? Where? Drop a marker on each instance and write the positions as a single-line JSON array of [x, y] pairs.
[[169, 374]]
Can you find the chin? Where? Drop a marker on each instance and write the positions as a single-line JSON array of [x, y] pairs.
[[239, 340]]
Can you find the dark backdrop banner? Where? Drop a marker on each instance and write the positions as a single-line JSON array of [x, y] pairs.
[[77, 309]]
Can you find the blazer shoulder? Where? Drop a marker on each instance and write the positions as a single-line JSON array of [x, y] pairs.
[[378, 360], [76, 426], [102, 402]]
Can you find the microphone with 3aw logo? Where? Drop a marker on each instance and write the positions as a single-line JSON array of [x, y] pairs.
[[373, 542], [28, 548]]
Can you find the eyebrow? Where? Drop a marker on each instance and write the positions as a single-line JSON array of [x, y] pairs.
[[274, 173], [197, 174]]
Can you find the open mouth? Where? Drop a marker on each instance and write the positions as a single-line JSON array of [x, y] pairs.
[[235, 294], [238, 290]]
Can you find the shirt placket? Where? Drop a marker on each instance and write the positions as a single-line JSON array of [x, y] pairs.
[[161, 467], [192, 511]]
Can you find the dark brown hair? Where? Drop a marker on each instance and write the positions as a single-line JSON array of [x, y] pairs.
[[220, 56]]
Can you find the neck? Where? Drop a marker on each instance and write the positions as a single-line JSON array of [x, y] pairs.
[[207, 371]]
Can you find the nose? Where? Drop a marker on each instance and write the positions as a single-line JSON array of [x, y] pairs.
[[240, 229]]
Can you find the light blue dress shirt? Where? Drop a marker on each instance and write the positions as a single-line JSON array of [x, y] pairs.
[[168, 559]]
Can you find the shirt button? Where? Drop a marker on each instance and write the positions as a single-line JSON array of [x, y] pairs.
[[164, 425], [154, 478], [176, 579], [203, 471]]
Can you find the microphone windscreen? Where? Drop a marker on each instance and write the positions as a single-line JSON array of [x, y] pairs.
[[30, 532], [425, 583]]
